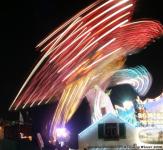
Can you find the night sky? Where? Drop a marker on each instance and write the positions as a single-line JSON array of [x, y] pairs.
[[25, 23]]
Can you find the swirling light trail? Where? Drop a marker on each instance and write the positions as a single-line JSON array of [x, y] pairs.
[[138, 77], [85, 51], [100, 103]]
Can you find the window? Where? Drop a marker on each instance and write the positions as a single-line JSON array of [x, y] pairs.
[[111, 131]]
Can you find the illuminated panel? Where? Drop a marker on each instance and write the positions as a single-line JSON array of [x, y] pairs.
[[85, 51], [151, 113], [152, 136]]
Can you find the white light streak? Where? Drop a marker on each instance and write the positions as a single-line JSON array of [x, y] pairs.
[[102, 58], [120, 10], [74, 57], [66, 23], [74, 70]]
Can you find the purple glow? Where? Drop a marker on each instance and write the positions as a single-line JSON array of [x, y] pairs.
[[62, 133]]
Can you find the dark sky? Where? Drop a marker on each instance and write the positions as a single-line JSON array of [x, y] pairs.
[[25, 23]]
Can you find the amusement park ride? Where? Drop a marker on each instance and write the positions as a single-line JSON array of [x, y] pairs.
[[83, 57]]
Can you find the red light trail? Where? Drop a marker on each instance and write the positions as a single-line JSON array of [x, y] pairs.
[[83, 52]]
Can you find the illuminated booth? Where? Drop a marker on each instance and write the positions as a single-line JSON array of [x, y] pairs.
[[137, 126], [109, 132]]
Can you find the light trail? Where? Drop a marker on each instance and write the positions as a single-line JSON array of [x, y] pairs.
[[69, 21], [113, 14], [139, 78], [84, 52]]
